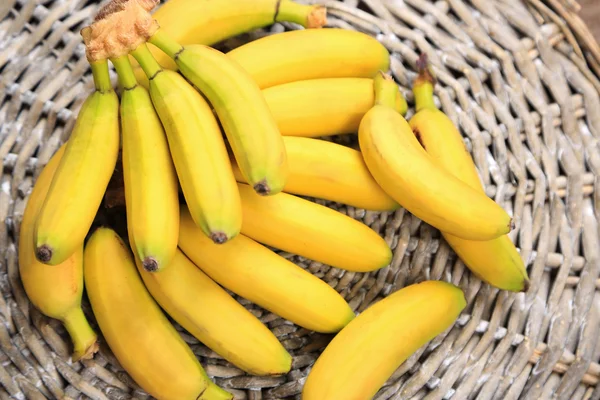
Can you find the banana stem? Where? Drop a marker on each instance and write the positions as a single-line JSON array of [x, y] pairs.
[[307, 16], [164, 42], [424, 85], [81, 333], [144, 57], [385, 90], [101, 76], [125, 72]]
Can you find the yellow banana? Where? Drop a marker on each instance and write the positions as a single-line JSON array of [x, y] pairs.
[[82, 176], [197, 149], [411, 177], [241, 108], [323, 107], [208, 312], [330, 171], [150, 180], [360, 358], [56, 291], [311, 230], [133, 325], [258, 274], [495, 261]]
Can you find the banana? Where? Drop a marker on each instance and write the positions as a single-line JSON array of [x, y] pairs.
[[411, 177], [311, 230], [197, 149], [323, 107], [82, 175], [133, 325], [360, 358], [208, 312], [258, 274], [55, 291], [495, 261], [330, 171], [150, 179], [241, 108]]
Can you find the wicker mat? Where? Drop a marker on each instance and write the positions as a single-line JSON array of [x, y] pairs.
[[520, 77]]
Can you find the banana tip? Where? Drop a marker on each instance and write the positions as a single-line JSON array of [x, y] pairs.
[[526, 285], [262, 188], [43, 253], [424, 69], [150, 264], [511, 225], [317, 18], [218, 237]]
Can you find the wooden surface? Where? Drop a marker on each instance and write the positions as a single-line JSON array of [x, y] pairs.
[[590, 12]]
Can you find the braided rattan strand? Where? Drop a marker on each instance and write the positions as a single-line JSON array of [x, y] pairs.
[[520, 79]]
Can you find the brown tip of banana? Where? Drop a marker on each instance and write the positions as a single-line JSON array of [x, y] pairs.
[[43, 253], [262, 188], [317, 18], [424, 69], [511, 225], [526, 285], [150, 264], [86, 354], [218, 237]]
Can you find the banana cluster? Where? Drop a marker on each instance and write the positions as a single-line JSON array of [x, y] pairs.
[[221, 156]]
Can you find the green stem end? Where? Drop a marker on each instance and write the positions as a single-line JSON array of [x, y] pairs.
[[166, 43], [386, 90], [125, 72], [101, 75], [424, 85], [144, 57], [82, 335]]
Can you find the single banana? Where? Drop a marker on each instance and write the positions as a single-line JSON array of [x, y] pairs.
[[360, 358], [258, 274], [133, 325], [411, 177], [82, 176], [302, 227], [56, 291], [323, 107], [150, 179], [208, 312], [197, 149], [330, 171], [495, 261], [241, 108]]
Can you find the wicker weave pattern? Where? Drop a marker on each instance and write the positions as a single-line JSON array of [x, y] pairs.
[[520, 77]]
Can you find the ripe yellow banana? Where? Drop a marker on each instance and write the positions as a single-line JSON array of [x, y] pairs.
[[360, 358], [133, 325], [411, 177], [326, 170], [208, 312], [82, 176], [258, 274], [495, 261], [197, 149], [56, 291], [311, 230], [150, 179], [241, 108], [323, 107]]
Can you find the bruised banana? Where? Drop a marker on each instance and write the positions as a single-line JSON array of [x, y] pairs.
[[82, 175], [311, 230], [208, 312], [256, 273], [411, 177], [330, 171], [56, 291], [150, 179], [360, 358], [495, 261], [138, 333], [206, 179]]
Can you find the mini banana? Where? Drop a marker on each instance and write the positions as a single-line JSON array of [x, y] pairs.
[[241, 108], [311, 230], [495, 261], [82, 175], [360, 358], [133, 325], [197, 149], [208, 312], [56, 291], [411, 177], [326, 170], [150, 179], [258, 274]]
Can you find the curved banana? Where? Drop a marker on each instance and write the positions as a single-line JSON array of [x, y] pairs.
[[330, 171], [82, 176], [208, 312], [56, 291], [133, 325], [150, 180], [360, 358], [323, 107], [495, 261], [258, 274], [241, 108], [197, 149], [411, 177], [311, 230]]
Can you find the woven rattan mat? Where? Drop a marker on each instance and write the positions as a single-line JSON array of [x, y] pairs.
[[520, 77]]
